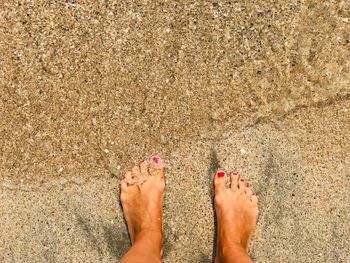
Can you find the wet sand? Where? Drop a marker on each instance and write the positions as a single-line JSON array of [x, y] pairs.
[[87, 90]]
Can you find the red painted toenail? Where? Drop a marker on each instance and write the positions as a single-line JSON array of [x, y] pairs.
[[156, 159], [142, 161], [242, 179], [247, 185], [234, 173], [220, 174]]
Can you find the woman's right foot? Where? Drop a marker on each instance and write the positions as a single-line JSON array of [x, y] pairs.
[[237, 213]]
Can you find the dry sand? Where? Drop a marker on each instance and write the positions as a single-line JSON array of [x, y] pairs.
[[89, 89]]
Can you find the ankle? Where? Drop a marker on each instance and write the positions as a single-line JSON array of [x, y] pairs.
[[231, 250], [150, 238], [229, 239]]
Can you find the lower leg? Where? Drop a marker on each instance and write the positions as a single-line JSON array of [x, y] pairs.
[[237, 213]]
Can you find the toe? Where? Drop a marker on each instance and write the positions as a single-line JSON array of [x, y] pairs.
[[157, 167], [254, 199], [123, 185], [144, 169], [248, 189], [234, 181], [220, 180], [136, 174], [128, 177], [241, 184]]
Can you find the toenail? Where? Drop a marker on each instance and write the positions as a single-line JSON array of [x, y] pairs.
[[156, 159], [242, 179], [142, 161], [234, 173], [247, 185], [220, 174]]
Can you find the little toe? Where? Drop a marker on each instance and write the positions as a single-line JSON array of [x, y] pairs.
[[220, 180], [254, 199], [234, 181], [128, 177], [241, 184], [144, 169], [157, 167], [123, 185]]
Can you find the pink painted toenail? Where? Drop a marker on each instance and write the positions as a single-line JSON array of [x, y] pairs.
[[220, 174], [156, 159], [242, 179]]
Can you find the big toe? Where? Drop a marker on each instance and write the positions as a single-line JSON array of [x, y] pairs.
[[157, 167], [220, 181]]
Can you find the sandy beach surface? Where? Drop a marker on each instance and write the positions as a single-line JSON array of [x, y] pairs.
[[89, 88]]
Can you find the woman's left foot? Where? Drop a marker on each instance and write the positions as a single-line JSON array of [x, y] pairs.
[[142, 196]]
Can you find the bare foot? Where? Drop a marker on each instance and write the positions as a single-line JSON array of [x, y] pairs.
[[142, 195], [237, 212]]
